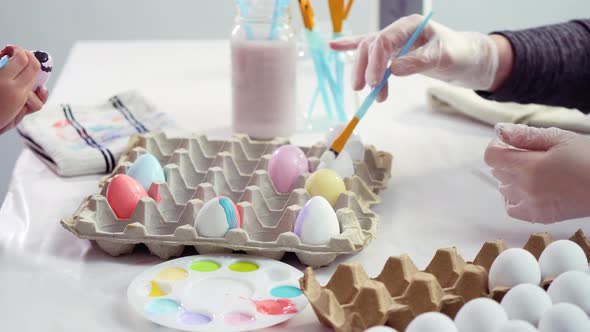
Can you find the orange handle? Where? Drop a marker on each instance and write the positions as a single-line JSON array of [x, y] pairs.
[[307, 14]]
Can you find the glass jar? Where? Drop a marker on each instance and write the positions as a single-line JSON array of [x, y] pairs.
[[263, 57]]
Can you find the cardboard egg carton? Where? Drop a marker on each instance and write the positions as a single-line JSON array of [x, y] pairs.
[[352, 301], [198, 169]]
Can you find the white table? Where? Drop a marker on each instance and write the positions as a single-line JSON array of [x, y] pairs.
[[50, 280]]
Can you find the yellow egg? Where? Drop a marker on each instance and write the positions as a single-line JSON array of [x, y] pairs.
[[325, 183]]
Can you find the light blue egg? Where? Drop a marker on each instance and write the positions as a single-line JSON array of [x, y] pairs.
[[147, 170]]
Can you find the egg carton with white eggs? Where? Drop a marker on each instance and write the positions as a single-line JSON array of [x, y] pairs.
[[351, 301], [194, 181]]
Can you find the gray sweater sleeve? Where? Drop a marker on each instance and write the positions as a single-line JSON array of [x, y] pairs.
[[551, 66]]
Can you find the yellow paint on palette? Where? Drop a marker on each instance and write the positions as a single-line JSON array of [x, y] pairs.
[[172, 274], [244, 267], [156, 291]]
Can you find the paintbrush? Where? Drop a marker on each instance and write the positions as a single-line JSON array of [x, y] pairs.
[[340, 142]]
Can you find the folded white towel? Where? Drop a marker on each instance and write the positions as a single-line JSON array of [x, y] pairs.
[[451, 99], [76, 140]]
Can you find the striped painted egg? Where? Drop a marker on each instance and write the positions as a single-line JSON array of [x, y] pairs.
[[217, 217]]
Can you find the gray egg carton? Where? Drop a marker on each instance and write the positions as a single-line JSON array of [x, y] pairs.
[[198, 169]]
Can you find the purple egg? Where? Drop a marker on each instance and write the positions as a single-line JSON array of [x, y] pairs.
[[286, 164]]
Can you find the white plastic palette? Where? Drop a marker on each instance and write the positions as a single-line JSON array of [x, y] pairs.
[[218, 293]]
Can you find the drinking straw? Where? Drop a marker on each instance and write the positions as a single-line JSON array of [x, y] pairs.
[[244, 11], [279, 10], [314, 42], [339, 143]]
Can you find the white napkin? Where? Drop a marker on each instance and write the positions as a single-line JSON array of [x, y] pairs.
[[451, 99], [77, 139]]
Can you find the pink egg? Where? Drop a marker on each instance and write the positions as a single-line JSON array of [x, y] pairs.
[[123, 194], [286, 164]]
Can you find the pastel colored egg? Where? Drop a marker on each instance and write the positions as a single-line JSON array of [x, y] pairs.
[[123, 194], [217, 217], [286, 164], [326, 183], [317, 222], [147, 170], [343, 164], [46, 62], [354, 146]]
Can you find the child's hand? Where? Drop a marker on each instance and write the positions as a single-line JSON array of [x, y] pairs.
[[17, 79]]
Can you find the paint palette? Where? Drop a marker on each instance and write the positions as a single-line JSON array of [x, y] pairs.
[[198, 170], [218, 293]]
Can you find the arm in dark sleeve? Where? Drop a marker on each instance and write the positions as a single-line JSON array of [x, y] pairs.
[[551, 66]]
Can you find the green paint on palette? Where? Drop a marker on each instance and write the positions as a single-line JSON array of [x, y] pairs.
[[204, 266], [285, 292], [244, 267], [162, 307]]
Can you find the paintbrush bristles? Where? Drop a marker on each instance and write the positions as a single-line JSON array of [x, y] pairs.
[[340, 142]]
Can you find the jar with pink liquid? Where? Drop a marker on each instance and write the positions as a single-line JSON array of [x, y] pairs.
[[263, 59]]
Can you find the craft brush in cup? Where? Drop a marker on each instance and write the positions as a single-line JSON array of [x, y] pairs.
[[341, 140]]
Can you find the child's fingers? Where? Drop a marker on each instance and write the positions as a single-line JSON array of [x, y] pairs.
[[43, 94], [28, 76], [17, 63], [34, 103], [382, 96], [8, 50]]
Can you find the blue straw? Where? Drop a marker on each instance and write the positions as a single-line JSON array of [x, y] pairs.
[[278, 12], [312, 40], [339, 68], [4, 61], [245, 14], [373, 95]]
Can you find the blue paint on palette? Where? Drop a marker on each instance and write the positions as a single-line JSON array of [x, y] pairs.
[[162, 307], [285, 292]]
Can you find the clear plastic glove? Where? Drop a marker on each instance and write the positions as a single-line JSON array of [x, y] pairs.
[[468, 59], [544, 173]]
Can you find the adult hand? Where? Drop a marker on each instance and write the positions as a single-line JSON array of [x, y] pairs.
[[469, 59], [544, 173]]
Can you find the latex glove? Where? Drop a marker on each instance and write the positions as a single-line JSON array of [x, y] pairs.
[[17, 79], [544, 173], [468, 59]]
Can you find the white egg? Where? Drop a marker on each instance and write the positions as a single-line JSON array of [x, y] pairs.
[[513, 267], [354, 146], [342, 164], [516, 326], [564, 317], [571, 287], [317, 222], [526, 302], [432, 322], [481, 315], [217, 217], [562, 256], [381, 329]]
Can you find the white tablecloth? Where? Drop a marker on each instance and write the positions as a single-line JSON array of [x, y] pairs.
[[440, 195]]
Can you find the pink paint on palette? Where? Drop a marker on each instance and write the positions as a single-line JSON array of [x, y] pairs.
[[274, 307], [238, 318]]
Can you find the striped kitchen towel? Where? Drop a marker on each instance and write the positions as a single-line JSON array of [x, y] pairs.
[[77, 140]]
